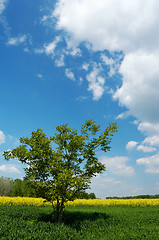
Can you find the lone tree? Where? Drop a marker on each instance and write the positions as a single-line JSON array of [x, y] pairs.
[[61, 167]]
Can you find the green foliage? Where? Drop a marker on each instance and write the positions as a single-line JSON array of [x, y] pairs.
[[87, 223], [17, 187], [60, 174], [6, 186], [22, 188], [84, 195]]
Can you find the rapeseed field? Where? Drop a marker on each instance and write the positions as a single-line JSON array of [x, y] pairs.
[[27, 201]]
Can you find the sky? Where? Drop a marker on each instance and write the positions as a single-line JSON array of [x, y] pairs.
[[65, 61]]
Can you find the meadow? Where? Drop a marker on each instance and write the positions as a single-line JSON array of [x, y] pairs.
[[83, 219]]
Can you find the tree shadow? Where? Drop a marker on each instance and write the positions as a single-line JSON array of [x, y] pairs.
[[74, 218], [46, 217]]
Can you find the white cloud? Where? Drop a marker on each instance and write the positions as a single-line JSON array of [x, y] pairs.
[[139, 91], [70, 74], [72, 49], [44, 19], [114, 25], [26, 49], [74, 52], [96, 83], [5, 25], [151, 163], [118, 166], [149, 128], [85, 66], [60, 61], [107, 60], [9, 168], [123, 115], [2, 5], [136, 122], [40, 76], [81, 80], [2, 137], [15, 41], [131, 145], [113, 64], [146, 148], [50, 48], [153, 141], [142, 147], [39, 50], [119, 25]]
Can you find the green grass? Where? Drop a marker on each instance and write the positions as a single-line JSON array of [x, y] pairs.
[[17, 222]]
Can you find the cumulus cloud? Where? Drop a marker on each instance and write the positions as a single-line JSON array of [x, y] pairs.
[[114, 25], [139, 91], [15, 41], [151, 163], [146, 148], [127, 26], [118, 166], [9, 168], [131, 145], [153, 141], [149, 128], [152, 130], [2, 137]]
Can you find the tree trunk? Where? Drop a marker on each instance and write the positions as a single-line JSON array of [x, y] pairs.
[[60, 215], [59, 210]]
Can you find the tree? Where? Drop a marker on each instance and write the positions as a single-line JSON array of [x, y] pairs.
[[59, 174], [6, 186], [22, 188], [85, 195]]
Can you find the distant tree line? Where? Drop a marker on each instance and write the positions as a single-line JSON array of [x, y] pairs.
[[21, 188], [136, 197], [6, 186], [17, 187]]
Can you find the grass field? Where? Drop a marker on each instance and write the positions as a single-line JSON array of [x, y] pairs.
[[80, 222]]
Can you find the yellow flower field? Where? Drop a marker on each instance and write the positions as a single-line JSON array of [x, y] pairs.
[[26, 201], [115, 202], [23, 201]]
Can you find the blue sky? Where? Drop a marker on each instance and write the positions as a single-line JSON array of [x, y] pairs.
[[68, 61]]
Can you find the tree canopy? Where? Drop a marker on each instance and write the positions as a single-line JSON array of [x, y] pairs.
[[61, 167]]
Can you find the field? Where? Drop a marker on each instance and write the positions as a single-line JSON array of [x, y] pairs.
[[83, 221]]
